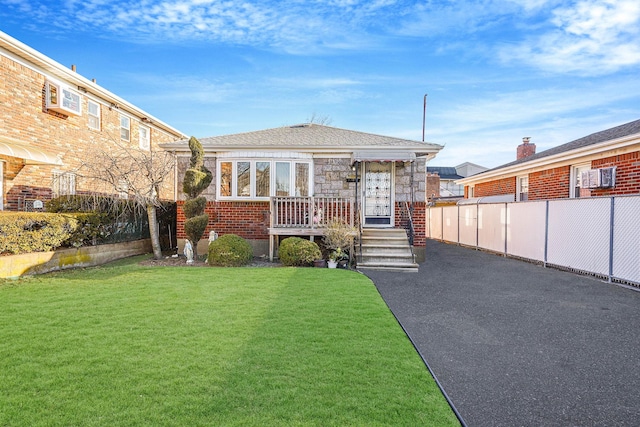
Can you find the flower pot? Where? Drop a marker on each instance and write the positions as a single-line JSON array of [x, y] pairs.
[[320, 263], [332, 264]]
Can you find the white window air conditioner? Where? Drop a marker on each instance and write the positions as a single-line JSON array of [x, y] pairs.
[[62, 99], [598, 178], [608, 177]]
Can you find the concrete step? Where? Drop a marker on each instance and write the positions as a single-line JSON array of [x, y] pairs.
[[368, 249], [385, 249], [385, 241], [383, 257], [389, 266], [384, 232]]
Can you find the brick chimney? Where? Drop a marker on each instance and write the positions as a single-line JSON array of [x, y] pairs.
[[433, 186], [526, 149]]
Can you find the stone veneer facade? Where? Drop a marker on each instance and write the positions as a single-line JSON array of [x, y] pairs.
[[250, 219]]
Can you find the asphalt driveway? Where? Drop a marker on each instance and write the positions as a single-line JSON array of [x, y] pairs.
[[516, 344]]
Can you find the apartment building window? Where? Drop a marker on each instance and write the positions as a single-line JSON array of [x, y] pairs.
[[64, 184], [93, 109], [123, 189], [145, 137], [523, 188], [125, 128], [253, 179]]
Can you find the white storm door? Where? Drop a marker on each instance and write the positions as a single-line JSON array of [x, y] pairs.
[[378, 194]]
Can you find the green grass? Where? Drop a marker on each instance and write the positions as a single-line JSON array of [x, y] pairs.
[[127, 345]]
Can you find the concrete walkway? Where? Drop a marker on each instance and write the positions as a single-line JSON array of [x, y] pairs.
[[515, 344]]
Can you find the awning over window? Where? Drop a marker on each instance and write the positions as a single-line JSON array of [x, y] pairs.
[[383, 156], [30, 155]]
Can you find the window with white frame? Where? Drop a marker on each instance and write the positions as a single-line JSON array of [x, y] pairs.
[[523, 188], [125, 128], [123, 189], [145, 137], [93, 110], [576, 180], [261, 179], [64, 184]]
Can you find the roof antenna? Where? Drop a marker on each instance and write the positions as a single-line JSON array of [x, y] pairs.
[[424, 115]]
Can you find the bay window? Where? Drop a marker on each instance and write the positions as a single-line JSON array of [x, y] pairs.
[[253, 179]]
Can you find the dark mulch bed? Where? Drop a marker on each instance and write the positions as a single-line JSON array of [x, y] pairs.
[[181, 261]]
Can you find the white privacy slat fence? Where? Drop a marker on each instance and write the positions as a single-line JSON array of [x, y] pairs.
[[599, 236]]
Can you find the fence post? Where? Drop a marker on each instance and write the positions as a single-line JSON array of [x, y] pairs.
[[477, 226], [546, 233], [506, 221], [611, 226]]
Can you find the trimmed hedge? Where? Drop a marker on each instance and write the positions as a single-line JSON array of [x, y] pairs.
[[229, 250], [25, 232], [296, 251]]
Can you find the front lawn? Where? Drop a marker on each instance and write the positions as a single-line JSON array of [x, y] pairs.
[[127, 345]]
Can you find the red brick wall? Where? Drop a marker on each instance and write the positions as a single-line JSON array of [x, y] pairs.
[[24, 119], [627, 174], [419, 221], [554, 183], [495, 188], [550, 183], [249, 220]]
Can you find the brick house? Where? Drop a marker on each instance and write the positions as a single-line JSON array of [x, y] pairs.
[[49, 114], [292, 180], [606, 163]]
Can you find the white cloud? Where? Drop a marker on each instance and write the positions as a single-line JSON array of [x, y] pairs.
[[591, 37]]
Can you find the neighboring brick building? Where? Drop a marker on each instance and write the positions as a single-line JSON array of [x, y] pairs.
[[605, 163], [49, 115], [372, 177]]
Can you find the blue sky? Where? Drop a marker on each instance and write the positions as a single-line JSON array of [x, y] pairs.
[[493, 71]]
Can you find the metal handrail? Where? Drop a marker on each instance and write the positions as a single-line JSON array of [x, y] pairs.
[[409, 227]]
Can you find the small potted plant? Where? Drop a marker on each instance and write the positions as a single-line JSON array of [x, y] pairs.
[[335, 256], [338, 239]]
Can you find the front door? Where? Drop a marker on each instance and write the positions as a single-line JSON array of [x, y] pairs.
[[378, 197]]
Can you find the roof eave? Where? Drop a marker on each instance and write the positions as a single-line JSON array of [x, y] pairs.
[[563, 157], [60, 71], [419, 151]]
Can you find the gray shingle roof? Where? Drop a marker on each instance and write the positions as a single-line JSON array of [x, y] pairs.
[[445, 172], [311, 136], [621, 131]]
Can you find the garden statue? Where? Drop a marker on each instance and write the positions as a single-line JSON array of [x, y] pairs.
[[188, 251]]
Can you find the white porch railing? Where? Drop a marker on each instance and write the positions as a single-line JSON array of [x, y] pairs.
[[309, 213]]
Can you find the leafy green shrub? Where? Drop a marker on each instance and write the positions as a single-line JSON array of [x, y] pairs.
[[102, 219], [296, 251], [25, 232], [113, 207], [92, 228], [229, 250]]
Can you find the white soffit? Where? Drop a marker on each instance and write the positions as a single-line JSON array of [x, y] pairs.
[[383, 156]]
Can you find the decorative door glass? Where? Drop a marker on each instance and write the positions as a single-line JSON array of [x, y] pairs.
[[378, 193]]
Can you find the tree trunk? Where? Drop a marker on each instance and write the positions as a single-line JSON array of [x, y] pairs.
[[153, 231]]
